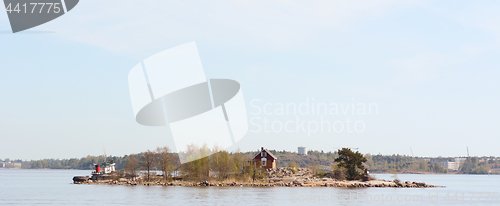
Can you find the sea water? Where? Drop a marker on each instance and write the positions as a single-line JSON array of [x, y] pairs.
[[55, 187]]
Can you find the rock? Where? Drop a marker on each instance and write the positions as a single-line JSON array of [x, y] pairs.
[[419, 184], [80, 179]]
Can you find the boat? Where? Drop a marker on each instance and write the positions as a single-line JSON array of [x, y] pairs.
[[103, 171]]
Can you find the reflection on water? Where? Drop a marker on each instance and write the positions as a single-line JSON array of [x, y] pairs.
[[30, 187]]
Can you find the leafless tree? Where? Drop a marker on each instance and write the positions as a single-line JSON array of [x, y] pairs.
[[132, 167], [148, 162], [165, 161]]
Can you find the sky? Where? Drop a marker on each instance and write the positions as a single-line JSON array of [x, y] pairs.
[[395, 77]]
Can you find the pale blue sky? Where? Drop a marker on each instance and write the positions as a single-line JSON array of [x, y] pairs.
[[431, 67]]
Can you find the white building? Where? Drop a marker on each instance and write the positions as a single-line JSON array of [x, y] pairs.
[[16, 165], [302, 151], [451, 165]]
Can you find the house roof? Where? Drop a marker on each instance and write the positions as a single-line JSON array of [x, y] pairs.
[[271, 154]]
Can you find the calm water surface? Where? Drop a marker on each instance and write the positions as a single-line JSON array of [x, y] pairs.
[[54, 187]]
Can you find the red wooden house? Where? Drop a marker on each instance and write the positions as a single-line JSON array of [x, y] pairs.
[[265, 159]]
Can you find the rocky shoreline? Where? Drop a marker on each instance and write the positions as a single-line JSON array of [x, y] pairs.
[[325, 182], [281, 177]]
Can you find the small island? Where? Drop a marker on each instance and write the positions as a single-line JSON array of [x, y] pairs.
[[303, 177], [213, 171]]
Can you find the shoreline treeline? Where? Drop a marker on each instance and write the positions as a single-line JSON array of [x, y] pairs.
[[315, 159]]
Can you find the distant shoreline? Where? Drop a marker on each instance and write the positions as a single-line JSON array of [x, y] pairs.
[[41, 169], [375, 173]]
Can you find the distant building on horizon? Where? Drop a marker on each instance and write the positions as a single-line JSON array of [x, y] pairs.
[[16, 165], [302, 151], [451, 165]]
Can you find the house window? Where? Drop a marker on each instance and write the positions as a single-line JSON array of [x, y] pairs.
[[263, 161]]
